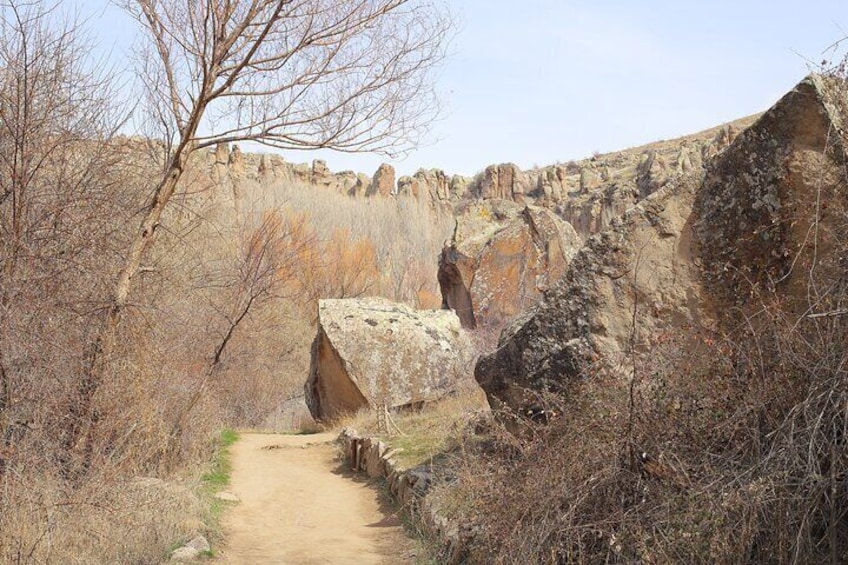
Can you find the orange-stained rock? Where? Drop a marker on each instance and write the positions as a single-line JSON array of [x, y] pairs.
[[383, 183], [502, 258]]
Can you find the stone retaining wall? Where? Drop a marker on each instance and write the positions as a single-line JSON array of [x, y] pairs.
[[409, 487]]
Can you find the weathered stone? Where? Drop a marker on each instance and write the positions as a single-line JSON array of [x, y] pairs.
[[371, 351], [236, 160], [227, 496], [595, 211], [264, 168], [383, 183], [183, 554], [301, 172], [652, 173], [412, 490], [222, 153], [374, 466], [199, 543], [434, 183], [780, 181], [419, 479], [496, 267], [321, 175], [589, 180], [360, 188], [588, 314], [345, 181], [684, 160], [408, 186], [504, 181], [550, 184], [690, 255], [459, 186], [220, 169], [279, 168]]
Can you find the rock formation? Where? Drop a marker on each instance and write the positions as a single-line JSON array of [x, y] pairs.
[[679, 259], [436, 184], [588, 193], [383, 183], [360, 187], [642, 258], [236, 160], [778, 194], [501, 259], [504, 182], [371, 351], [321, 175], [652, 173]]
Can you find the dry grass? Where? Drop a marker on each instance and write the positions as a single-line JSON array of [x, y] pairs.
[[747, 459], [121, 521], [422, 434]]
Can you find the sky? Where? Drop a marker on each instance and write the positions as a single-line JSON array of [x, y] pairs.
[[542, 81]]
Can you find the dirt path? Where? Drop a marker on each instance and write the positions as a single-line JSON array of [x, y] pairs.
[[299, 507]]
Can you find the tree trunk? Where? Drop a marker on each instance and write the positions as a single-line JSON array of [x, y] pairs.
[[83, 415]]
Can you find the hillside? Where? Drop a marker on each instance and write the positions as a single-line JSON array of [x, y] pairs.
[[690, 364]]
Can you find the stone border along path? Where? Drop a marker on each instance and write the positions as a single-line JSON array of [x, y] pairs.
[[409, 488], [300, 505]]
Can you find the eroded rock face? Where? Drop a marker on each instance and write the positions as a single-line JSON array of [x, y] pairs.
[[773, 199], [692, 255], [501, 259], [504, 181], [436, 184], [643, 259], [371, 351], [383, 183]]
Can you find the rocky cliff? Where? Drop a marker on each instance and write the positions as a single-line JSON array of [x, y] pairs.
[[588, 193], [766, 211]]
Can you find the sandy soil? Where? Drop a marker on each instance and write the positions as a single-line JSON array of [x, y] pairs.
[[298, 506]]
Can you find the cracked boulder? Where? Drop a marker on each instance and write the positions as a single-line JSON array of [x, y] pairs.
[[371, 352], [501, 259]]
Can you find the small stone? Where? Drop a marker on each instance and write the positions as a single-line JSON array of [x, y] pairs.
[[227, 496], [184, 553], [199, 543]]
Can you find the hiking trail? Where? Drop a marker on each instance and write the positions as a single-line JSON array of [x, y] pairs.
[[299, 505]]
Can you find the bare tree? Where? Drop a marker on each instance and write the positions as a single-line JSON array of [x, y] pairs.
[[57, 206], [299, 74], [265, 268]]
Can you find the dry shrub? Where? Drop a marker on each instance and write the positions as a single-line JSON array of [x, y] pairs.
[[743, 430], [106, 521], [405, 236], [745, 433]]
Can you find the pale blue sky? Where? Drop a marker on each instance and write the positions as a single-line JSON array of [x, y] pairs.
[[541, 81]]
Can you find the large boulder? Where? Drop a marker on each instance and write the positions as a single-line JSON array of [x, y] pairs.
[[772, 210], [691, 256], [638, 269], [371, 352], [501, 259]]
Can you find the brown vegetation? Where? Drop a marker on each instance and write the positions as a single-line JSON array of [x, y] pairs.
[[138, 313], [724, 445]]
